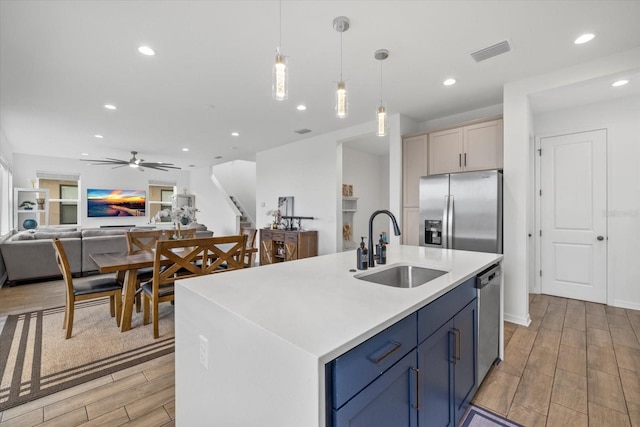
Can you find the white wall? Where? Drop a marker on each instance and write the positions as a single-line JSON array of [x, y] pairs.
[[238, 178], [621, 118], [369, 175], [311, 171], [215, 210], [25, 168], [518, 150], [454, 120]]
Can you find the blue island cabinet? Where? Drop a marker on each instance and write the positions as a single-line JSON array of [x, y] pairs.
[[421, 371]]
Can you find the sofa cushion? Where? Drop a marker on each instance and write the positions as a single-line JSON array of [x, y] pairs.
[[96, 232], [66, 235], [25, 235], [56, 229]]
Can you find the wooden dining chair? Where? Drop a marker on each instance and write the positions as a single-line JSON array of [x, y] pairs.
[[142, 241], [251, 249], [175, 260], [89, 289]]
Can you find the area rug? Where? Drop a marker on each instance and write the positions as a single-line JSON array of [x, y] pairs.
[[36, 360], [479, 417]]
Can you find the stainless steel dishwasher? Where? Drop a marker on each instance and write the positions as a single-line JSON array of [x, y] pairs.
[[488, 285]]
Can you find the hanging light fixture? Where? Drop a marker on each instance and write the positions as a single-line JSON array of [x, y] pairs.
[[381, 114], [341, 24], [280, 85]]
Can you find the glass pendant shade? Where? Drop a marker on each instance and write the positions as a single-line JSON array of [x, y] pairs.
[[341, 101], [280, 87], [382, 121]]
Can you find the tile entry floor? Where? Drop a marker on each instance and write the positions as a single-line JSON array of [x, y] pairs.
[[577, 364]]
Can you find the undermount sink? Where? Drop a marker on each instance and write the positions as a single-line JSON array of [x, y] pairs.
[[401, 276]]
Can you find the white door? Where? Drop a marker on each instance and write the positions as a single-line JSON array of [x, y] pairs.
[[573, 180]]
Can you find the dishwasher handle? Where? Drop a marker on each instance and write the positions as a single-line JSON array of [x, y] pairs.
[[488, 276]]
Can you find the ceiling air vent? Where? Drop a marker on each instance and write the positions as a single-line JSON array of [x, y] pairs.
[[302, 131], [491, 51]]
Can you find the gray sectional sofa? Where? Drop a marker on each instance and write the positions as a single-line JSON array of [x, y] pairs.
[[29, 255]]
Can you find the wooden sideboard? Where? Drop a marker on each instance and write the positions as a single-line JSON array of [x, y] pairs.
[[287, 245]]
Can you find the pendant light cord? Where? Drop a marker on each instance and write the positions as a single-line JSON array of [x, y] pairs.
[[340, 56], [280, 25], [381, 83]]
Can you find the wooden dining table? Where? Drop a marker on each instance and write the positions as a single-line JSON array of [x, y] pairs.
[[126, 266]]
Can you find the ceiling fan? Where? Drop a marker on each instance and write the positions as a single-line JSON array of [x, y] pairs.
[[133, 162]]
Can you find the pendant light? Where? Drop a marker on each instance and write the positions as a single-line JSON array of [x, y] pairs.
[[381, 113], [280, 77], [341, 24]]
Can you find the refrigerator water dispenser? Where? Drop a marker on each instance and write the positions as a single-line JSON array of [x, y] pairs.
[[433, 232]]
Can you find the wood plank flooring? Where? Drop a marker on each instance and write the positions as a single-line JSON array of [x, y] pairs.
[[577, 364]]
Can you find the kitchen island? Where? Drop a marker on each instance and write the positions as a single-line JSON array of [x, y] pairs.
[[252, 345]]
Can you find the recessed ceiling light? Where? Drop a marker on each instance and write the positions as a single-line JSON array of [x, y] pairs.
[[449, 82], [620, 83], [185, 149], [146, 50], [235, 134], [98, 136], [110, 107], [301, 107], [584, 38], [84, 154]]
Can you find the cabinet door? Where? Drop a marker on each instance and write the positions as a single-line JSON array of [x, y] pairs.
[[290, 251], [436, 378], [414, 165], [445, 151], [410, 226], [483, 146], [389, 401], [266, 252], [465, 357]]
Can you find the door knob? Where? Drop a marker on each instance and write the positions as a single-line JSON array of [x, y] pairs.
[[600, 238]]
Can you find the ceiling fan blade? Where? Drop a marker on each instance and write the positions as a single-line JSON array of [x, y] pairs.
[[104, 162], [119, 166], [159, 165]]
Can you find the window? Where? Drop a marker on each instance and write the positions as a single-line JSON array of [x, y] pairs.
[[6, 199], [64, 197], [160, 196]]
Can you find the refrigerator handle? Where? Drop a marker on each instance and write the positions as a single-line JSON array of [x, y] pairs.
[[450, 224], [445, 223]]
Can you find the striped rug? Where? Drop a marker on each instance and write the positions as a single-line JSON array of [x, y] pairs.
[[36, 359]]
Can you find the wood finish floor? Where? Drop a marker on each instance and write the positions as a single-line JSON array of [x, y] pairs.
[[577, 364]]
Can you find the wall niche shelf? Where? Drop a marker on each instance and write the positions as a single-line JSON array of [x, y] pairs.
[[39, 211], [349, 208]]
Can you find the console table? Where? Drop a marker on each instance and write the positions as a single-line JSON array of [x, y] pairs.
[[287, 245]]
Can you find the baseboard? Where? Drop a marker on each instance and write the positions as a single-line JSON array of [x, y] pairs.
[[626, 304], [518, 320]]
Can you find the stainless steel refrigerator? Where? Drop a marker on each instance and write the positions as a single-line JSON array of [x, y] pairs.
[[462, 211]]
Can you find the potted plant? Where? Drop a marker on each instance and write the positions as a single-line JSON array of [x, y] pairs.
[[27, 205]]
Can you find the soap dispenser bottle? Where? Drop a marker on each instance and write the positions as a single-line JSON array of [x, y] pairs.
[[381, 249], [363, 256]]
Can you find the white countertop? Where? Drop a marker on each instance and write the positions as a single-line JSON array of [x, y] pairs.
[[318, 306]]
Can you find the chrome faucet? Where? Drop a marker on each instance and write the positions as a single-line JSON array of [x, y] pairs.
[[396, 231]]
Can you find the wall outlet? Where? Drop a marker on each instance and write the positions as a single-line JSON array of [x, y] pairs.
[[204, 352]]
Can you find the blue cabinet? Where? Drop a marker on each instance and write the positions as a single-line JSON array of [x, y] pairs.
[[421, 371]]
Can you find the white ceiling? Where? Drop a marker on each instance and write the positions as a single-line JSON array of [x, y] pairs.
[[61, 61]]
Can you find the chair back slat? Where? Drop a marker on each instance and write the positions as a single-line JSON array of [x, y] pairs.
[[63, 265], [142, 241], [181, 259], [184, 233]]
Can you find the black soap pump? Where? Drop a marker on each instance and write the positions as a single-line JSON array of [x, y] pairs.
[[363, 256]]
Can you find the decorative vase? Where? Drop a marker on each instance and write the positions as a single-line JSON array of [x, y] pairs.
[[30, 224], [40, 203], [184, 220]]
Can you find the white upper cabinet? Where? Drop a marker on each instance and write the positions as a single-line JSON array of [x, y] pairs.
[[468, 148]]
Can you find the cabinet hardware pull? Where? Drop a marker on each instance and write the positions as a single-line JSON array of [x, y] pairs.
[[416, 405], [465, 159], [456, 354], [377, 358], [460, 160]]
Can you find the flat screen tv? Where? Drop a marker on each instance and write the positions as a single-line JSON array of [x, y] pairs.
[[110, 203]]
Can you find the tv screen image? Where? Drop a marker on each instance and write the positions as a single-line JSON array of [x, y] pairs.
[[110, 203]]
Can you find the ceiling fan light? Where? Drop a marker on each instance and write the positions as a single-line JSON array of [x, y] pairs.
[[134, 165]]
